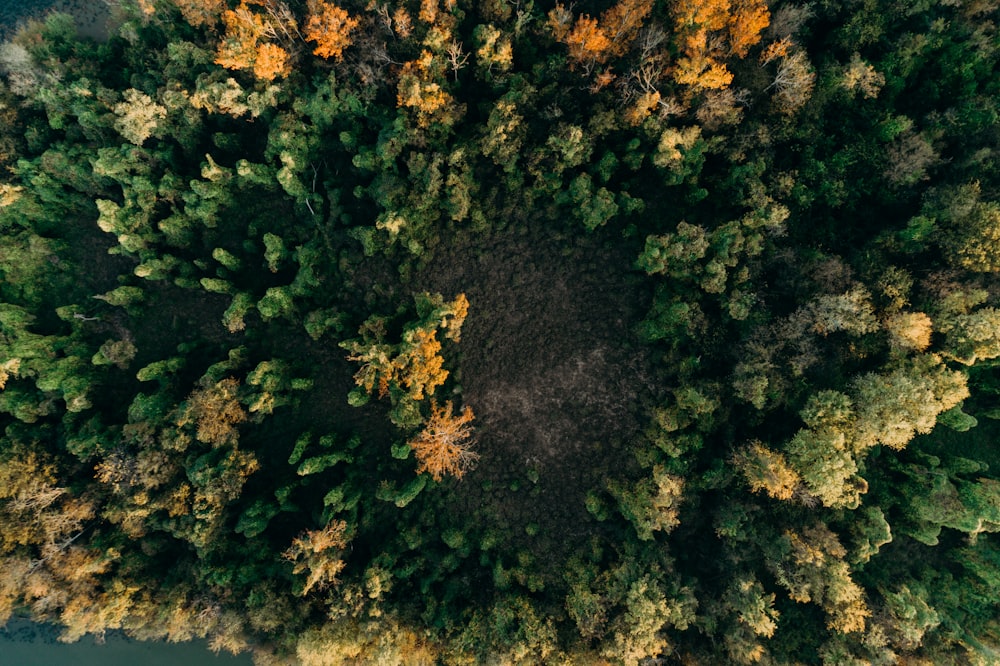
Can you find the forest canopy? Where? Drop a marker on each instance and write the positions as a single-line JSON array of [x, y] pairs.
[[507, 332]]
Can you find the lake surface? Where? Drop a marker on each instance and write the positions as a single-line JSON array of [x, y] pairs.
[[91, 15], [24, 643], [13, 11]]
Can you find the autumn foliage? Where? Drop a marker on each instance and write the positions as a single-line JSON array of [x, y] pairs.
[[443, 446], [767, 471], [421, 368], [417, 366], [414, 367], [329, 27], [316, 553], [410, 372], [420, 89], [215, 411], [706, 34], [622, 23], [744, 28], [201, 12], [270, 62], [248, 41], [586, 41], [711, 31], [8, 369], [593, 40]]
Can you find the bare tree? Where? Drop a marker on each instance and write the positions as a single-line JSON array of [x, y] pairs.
[[456, 57], [793, 82]]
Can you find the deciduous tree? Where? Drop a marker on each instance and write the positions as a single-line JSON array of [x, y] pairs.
[[216, 411], [201, 12], [748, 19], [249, 39], [814, 570], [587, 42], [909, 331], [861, 77], [652, 504], [971, 233], [443, 446], [766, 470], [420, 88], [411, 370], [708, 32], [317, 553], [893, 407], [138, 117], [330, 28], [793, 82], [622, 22]]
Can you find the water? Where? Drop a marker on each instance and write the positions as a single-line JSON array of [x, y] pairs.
[[91, 15], [23, 643], [13, 11]]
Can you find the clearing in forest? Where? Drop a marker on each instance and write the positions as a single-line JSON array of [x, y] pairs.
[[551, 364]]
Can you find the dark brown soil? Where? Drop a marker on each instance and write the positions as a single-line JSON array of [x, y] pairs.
[[551, 366]]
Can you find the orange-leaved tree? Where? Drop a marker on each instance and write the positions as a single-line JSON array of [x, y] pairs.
[[420, 88], [592, 41], [410, 372], [622, 22], [587, 42], [419, 366], [710, 31], [747, 20], [698, 68], [428, 11], [271, 62], [422, 82], [329, 27], [248, 39], [444, 446], [238, 47], [560, 21]]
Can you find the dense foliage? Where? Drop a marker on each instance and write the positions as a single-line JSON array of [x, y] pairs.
[[506, 332]]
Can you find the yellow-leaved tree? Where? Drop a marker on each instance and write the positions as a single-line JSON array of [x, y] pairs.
[[201, 12], [216, 411], [317, 553], [420, 88], [766, 471], [410, 372], [413, 368]]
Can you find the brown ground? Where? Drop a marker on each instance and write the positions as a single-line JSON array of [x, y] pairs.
[[549, 363]]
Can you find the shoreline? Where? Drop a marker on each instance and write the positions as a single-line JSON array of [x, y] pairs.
[[91, 16], [28, 643]]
